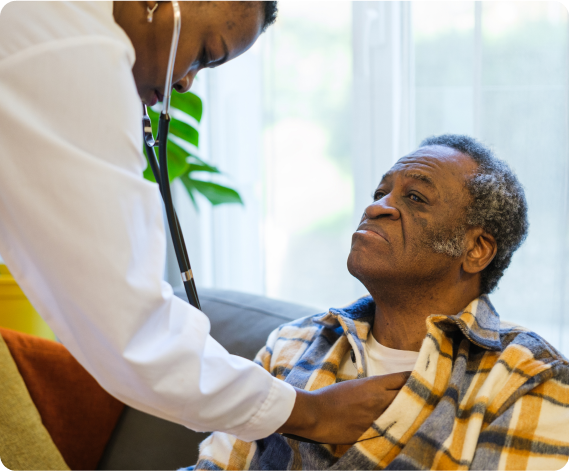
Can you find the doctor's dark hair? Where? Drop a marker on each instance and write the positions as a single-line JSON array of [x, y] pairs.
[[271, 10], [498, 203]]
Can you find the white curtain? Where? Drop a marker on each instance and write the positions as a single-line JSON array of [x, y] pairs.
[[278, 121]]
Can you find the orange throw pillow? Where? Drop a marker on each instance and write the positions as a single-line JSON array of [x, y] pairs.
[[79, 415]]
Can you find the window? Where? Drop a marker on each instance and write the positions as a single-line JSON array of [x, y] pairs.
[[280, 127], [497, 71], [306, 122]]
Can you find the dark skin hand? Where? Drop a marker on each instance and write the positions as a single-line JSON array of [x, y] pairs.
[[341, 413], [421, 195], [213, 33]]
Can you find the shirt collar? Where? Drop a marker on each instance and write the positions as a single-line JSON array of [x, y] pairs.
[[478, 321]]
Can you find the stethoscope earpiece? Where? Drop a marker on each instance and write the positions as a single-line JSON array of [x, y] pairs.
[[150, 12]]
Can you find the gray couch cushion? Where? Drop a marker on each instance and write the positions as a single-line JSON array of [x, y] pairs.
[[241, 323]]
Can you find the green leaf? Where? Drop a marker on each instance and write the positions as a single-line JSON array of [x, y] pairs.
[[154, 119], [203, 167], [217, 194], [185, 131], [176, 170], [178, 128], [188, 103], [177, 164], [185, 179], [182, 163], [194, 159], [175, 152], [154, 115], [148, 171]]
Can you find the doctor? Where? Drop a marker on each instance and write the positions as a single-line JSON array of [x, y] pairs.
[[82, 231]]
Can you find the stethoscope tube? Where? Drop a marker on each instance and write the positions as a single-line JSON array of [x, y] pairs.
[[160, 172]]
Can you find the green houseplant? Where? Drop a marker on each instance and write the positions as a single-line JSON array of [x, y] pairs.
[[183, 141]]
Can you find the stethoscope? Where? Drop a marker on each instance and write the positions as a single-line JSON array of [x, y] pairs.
[[160, 171]]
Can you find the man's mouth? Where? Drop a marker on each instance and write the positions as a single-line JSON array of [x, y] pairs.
[[371, 231]]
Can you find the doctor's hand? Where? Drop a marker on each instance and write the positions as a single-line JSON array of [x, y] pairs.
[[341, 413]]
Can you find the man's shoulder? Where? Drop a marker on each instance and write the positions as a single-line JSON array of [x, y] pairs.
[[290, 344], [512, 334], [305, 327], [531, 354]]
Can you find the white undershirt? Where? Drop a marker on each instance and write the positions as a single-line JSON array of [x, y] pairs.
[[380, 360], [82, 231]]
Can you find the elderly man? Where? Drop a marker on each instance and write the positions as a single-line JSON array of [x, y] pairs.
[[483, 394]]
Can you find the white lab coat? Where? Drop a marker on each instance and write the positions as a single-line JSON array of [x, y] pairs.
[[82, 231]]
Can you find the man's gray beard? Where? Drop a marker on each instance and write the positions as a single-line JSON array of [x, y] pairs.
[[447, 241]]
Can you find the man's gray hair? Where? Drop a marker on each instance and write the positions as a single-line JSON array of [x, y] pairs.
[[498, 203]]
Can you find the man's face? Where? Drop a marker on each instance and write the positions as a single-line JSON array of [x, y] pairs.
[[420, 202]]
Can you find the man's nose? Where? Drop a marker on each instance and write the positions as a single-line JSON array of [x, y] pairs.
[[382, 208], [185, 83]]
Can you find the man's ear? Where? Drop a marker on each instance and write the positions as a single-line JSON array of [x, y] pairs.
[[481, 250]]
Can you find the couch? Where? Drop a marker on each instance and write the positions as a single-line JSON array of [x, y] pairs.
[[108, 435]]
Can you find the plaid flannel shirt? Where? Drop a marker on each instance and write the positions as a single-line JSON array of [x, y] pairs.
[[484, 394]]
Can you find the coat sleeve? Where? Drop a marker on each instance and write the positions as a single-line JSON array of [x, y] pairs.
[[82, 232], [224, 451]]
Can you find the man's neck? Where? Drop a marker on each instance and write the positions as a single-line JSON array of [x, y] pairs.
[[401, 313]]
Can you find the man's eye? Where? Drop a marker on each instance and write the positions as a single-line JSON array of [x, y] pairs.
[[378, 195], [415, 198]]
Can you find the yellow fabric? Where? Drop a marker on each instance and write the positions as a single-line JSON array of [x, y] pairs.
[[16, 312], [24, 441]]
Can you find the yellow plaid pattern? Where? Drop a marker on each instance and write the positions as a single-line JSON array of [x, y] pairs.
[[483, 395]]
